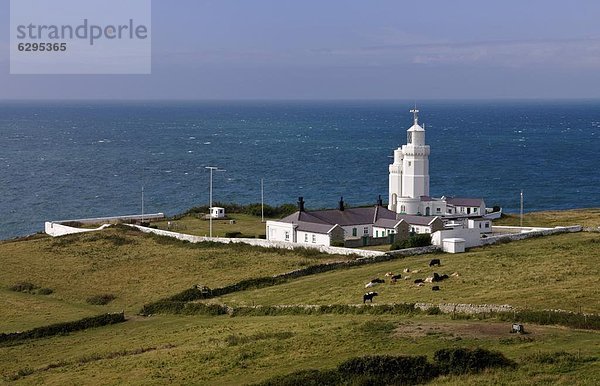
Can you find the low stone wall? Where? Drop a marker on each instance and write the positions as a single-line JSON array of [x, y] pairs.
[[260, 243]]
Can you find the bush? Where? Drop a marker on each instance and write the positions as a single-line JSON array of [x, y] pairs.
[[386, 369], [233, 235], [100, 300], [435, 310], [45, 291], [414, 241], [464, 361], [305, 378], [23, 287]]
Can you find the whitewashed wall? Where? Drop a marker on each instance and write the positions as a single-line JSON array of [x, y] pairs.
[[307, 238], [276, 231], [55, 229]]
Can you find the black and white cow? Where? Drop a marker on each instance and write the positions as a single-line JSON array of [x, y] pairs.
[[369, 296], [435, 262]]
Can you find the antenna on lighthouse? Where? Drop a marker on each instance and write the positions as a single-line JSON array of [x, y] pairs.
[[416, 114]]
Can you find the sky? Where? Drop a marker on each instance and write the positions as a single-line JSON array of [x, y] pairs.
[[347, 49]]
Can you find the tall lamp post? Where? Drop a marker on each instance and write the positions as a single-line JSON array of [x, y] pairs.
[[210, 217]]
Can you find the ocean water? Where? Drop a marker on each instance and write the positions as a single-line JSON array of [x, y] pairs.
[[64, 160]]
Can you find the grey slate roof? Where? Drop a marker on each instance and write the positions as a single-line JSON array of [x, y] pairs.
[[321, 221], [456, 201]]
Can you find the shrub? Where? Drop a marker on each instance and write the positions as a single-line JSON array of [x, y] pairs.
[[386, 369], [464, 361], [306, 378], [414, 241], [100, 300], [435, 310], [45, 291], [233, 235], [23, 287]]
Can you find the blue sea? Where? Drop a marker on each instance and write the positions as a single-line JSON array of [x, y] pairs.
[[64, 160]]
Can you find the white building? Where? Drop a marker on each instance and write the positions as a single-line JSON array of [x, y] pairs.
[[334, 226], [409, 182], [216, 212]]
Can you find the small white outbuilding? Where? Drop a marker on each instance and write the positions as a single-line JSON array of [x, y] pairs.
[[453, 245], [217, 212]]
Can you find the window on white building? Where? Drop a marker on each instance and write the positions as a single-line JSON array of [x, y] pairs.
[[487, 224], [366, 230], [354, 232], [438, 210], [287, 236], [314, 239], [306, 237], [475, 210], [409, 163], [376, 233]]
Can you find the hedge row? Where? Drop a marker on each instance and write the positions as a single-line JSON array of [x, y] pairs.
[[398, 370], [184, 308], [377, 309], [63, 328], [174, 307], [562, 318], [252, 209]]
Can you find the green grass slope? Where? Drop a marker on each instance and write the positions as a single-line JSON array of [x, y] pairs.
[[135, 267], [555, 272]]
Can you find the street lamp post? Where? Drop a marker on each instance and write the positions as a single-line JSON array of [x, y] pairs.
[[211, 168]]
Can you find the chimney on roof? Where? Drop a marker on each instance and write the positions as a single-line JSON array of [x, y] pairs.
[[301, 204], [379, 201], [341, 204]]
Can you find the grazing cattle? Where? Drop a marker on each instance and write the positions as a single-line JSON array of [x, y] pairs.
[[374, 282], [369, 296], [389, 274], [429, 279], [455, 274], [406, 270], [444, 277], [435, 262], [419, 281], [395, 278], [420, 284], [377, 280], [435, 288], [436, 277]]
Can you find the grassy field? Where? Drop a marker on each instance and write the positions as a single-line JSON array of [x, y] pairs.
[[549, 272], [135, 267], [589, 217], [552, 272], [249, 226], [233, 351]]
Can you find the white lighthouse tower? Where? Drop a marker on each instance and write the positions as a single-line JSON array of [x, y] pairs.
[[409, 174]]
